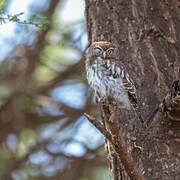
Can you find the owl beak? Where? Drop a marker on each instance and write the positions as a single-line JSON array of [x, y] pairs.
[[104, 55]]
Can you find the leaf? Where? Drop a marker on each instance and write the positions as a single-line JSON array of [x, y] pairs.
[[2, 20], [3, 4], [32, 18], [19, 14], [14, 18], [44, 23]]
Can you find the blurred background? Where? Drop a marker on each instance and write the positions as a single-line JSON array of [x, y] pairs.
[[43, 94]]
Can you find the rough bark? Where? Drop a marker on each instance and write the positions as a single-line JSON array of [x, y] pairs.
[[148, 34]]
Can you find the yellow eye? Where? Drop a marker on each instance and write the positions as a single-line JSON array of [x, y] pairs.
[[110, 51]]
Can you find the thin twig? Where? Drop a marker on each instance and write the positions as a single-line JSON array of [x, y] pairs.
[[99, 126]]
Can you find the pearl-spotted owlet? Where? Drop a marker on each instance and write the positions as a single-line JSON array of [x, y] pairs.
[[108, 78]]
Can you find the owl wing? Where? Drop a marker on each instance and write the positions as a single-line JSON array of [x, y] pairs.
[[128, 84], [119, 72], [130, 89]]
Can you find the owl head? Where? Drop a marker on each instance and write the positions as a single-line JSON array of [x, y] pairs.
[[103, 49]]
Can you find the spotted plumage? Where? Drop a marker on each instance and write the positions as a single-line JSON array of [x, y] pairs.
[[107, 76]]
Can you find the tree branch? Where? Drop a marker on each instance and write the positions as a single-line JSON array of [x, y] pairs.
[[114, 135], [120, 147], [99, 126]]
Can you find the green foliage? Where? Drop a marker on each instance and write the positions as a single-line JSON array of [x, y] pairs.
[[29, 118], [27, 139], [3, 163], [27, 104], [96, 173], [102, 173], [42, 23], [2, 4], [54, 58]]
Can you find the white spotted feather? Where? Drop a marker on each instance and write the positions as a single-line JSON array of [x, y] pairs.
[[105, 85]]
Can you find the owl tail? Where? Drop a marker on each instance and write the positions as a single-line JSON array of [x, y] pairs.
[[136, 109], [133, 102]]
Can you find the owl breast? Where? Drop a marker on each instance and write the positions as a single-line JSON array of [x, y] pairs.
[[105, 79]]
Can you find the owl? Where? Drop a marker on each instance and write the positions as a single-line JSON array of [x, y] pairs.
[[108, 78]]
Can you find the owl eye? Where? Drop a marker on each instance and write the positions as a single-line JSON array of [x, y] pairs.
[[97, 50], [110, 51]]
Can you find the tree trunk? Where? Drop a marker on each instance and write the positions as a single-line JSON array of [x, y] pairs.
[[148, 35]]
